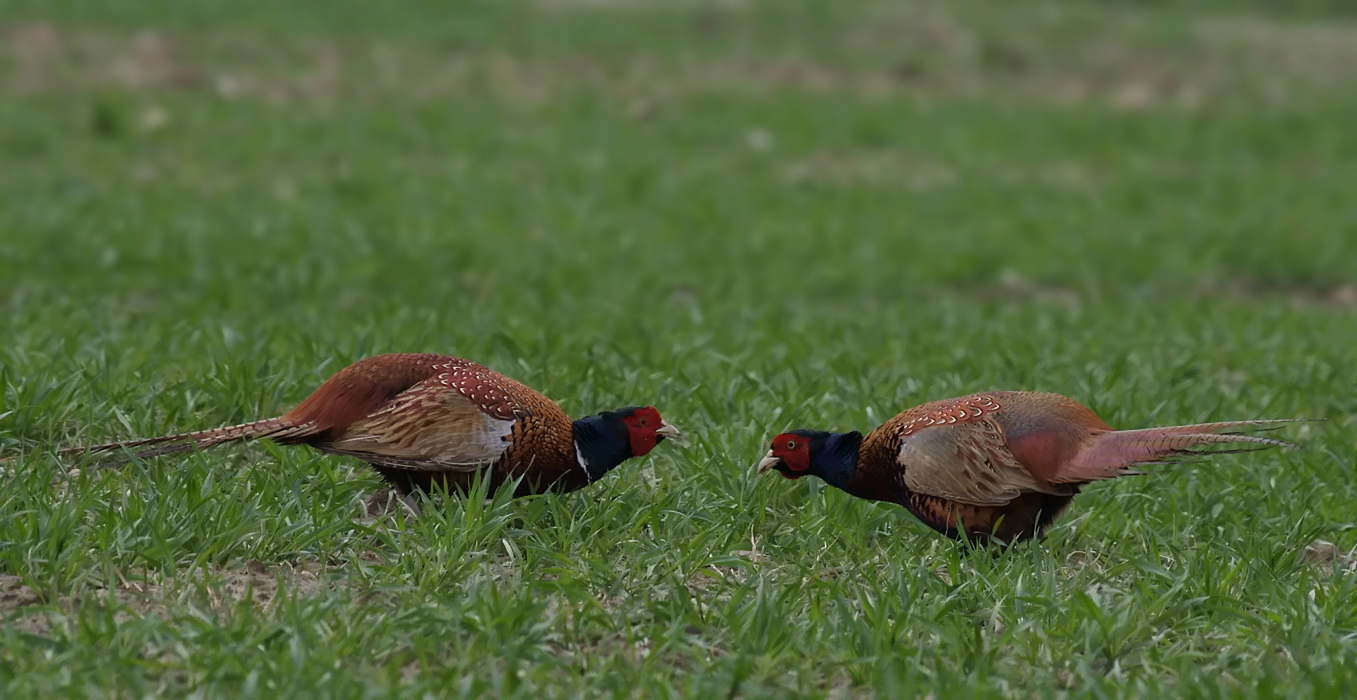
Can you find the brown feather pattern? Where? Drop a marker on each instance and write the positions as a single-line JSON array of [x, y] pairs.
[[1005, 464], [418, 419]]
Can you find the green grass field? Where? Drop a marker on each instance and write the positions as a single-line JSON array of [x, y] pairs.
[[754, 215]]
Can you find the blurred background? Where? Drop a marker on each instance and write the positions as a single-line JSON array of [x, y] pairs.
[[755, 214], [448, 155]]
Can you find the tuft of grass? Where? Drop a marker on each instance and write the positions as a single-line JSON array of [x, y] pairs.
[[754, 215]]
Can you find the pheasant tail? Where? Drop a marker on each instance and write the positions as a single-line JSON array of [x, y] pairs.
[[1111, 454], [114, 453]]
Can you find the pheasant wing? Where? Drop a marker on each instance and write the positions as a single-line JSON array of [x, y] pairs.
[[968, 463], [429, 426], [460, 419]]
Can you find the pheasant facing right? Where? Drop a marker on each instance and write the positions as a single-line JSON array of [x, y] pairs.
[[423, 419], [999, 465]]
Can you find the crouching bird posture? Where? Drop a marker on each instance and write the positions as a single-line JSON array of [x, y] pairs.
[[421, 419], [994, 466]]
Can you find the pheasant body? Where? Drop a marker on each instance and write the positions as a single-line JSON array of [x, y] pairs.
[[999, 465], [426, 419]]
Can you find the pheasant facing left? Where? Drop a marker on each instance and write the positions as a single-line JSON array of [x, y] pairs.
[[421, 419], [1000, 465]]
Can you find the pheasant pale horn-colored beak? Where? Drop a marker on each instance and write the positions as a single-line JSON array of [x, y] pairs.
[[768, 462], [668, 431]]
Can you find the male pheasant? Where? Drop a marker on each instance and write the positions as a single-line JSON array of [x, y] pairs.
[[421, 419], [994, 466]]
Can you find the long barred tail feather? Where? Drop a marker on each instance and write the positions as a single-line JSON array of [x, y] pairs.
[[115, 453], [1113, 453]]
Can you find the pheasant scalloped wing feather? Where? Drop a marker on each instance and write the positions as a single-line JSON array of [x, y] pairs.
[[967, 462], [489, 391], [462, 417], [964, 409], [541, 435], [880, 450], [957, 449], [432, 423]]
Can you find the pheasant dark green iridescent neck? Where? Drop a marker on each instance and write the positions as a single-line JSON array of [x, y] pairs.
[[833, 456], [602, 441]]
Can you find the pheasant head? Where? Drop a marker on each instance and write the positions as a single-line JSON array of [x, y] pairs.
[[830, 456], [607, 439]]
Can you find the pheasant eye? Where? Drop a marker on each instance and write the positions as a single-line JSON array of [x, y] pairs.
[[791, 444]]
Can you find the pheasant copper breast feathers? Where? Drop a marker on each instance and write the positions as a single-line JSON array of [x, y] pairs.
[[425, 419], [998, 465]]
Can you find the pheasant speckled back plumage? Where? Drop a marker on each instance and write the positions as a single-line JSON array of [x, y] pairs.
[[995, 426], [999, 464], [438, 418]]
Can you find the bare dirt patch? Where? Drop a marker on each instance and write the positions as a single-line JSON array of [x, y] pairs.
[[927, 51], [1328, 557], [139, 595], [1339, 296], [1273, 52], [882, 168], [41, 58], [644, 5]]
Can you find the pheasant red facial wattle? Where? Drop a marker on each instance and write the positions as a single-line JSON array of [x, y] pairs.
[[641, 429], [995, 466], [792, 451], [425, 419]]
